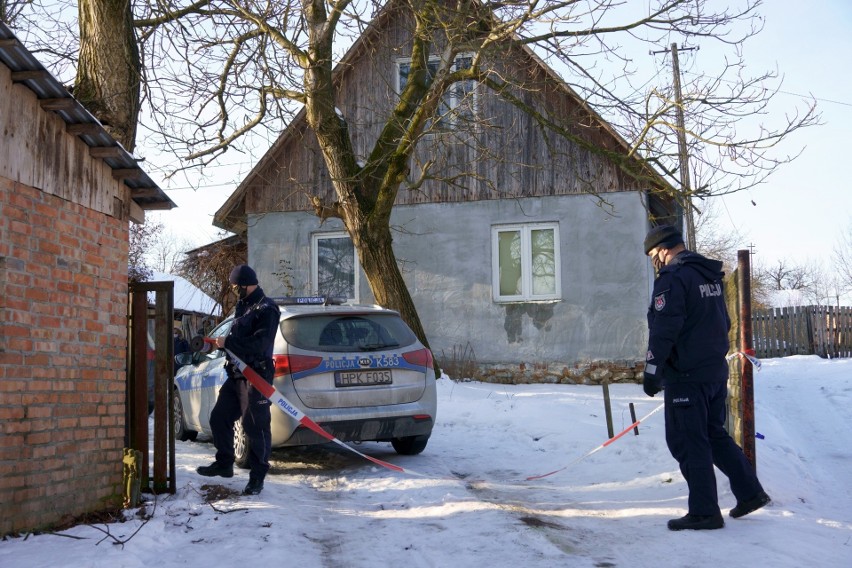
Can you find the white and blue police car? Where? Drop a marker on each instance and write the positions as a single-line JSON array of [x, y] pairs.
[[356, 370]]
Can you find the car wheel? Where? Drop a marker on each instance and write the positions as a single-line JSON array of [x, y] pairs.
[[410, 445], [241, 446], [182, 433]]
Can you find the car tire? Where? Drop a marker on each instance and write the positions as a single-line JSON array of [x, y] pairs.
[[410, 445], [241, 446], [182, 433]]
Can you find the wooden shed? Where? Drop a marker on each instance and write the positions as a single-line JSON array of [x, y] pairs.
[[68, 192]]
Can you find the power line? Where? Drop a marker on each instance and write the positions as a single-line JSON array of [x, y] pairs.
[[799, 95]]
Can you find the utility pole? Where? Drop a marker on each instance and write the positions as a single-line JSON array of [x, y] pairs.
[[683, 156]]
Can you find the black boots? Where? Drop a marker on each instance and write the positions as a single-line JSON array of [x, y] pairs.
[[697, 522], [709, 522], [254, 487], [216, 469], [750, 506]]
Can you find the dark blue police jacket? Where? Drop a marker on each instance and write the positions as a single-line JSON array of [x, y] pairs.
[[688, 322], [252, 335]]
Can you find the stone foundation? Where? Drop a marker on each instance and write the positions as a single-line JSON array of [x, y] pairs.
[[578, 373]]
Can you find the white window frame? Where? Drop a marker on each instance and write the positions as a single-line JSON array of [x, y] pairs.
[[356, 264], [525, 230], [451, 99]]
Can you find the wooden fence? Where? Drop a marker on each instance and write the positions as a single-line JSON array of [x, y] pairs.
[[803, 330]]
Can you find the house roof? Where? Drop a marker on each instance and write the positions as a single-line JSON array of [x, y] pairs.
[[231, 215], [188, 297], [53, 96]]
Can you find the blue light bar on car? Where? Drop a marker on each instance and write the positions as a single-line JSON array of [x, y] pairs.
[[308, 300]]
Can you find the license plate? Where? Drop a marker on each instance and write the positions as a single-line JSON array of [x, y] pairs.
[[362, 378]]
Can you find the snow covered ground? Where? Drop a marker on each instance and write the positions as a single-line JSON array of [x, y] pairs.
[[473, 504]]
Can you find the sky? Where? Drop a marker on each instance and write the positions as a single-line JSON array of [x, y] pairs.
[[800, 213], [467, 500], [802, 210]]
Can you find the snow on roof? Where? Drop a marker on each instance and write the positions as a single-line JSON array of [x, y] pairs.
[[187, 296]]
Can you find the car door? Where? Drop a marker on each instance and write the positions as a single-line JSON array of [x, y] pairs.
[[211, 375]]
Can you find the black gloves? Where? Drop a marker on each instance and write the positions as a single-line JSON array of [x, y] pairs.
[[651, 384]]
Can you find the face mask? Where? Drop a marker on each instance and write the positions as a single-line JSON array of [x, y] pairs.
[[240, 291]]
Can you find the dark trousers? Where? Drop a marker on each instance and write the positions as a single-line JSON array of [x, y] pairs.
[[697, 439], [239, 400]]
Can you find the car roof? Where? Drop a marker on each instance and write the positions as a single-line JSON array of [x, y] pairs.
[[352, 309], [298, 306]]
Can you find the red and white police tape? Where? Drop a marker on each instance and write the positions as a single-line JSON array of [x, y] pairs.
[[291, 410], [747, 354], [602, 446], [288, 408]]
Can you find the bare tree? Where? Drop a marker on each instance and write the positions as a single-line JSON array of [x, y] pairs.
[[97, 54], [277, 59], [826, 287], [804, 284], [784, 275], [11, 9], [142, 239], [167, 251], [218, 70], [209, 267], [714, 241], [843, 257], [109, 69]]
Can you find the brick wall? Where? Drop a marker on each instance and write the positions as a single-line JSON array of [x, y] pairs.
[[63, 302]]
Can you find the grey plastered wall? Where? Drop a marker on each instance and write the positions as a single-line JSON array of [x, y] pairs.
[[445, 254]]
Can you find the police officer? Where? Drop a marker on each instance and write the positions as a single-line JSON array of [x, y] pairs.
[[688, 341], [251, 338]]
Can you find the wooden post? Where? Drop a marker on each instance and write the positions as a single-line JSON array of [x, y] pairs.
[[137, 437], [747, 390], [608, 409], [163, 381], [633, 418]]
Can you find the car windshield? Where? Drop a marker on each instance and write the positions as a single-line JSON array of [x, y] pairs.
[[363, 332]]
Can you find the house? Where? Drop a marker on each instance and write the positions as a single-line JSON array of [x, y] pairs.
[[523, 255], [68, 193]]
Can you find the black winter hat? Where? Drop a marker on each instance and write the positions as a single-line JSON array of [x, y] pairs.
[[665, 235], [243, 275]]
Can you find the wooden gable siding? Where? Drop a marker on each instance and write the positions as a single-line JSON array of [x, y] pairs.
[[38, 152], [518, 161]]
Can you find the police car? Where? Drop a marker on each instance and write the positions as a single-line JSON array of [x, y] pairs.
[[358, 371]]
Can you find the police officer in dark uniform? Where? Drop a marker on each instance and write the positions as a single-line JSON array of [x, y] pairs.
[[251, 338], [687, 347]]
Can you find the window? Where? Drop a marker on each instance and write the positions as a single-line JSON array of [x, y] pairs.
[[334, 266], [525, 262], [459, 101], [347, 333]]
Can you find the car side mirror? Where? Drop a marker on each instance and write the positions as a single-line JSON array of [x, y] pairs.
[[184, 358]]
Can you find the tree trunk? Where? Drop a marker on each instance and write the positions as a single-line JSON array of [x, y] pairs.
[[378, 261], [365, 195], [108, 73]]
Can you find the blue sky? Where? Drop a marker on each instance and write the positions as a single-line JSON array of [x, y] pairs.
[[803, 208]]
